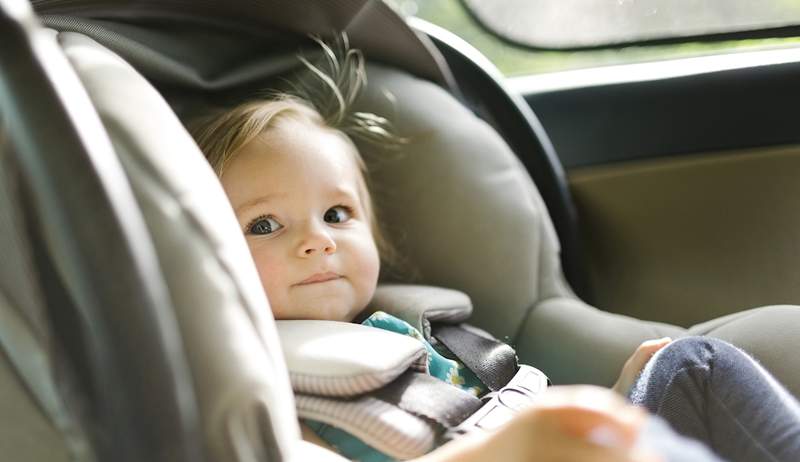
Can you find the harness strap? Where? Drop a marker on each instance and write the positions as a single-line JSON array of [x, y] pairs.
[[492, 361], [425, 396]]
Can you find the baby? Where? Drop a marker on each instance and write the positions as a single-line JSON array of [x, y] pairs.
[[297, 185], [301, 200]]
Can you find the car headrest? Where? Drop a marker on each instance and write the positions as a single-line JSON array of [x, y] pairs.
[[198, 52], [455, 200], [458, 204], [240, 378]]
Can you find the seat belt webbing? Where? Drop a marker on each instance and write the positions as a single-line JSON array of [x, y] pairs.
[[494, 362], [426, 396]]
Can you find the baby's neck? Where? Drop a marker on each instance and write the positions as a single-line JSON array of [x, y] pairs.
[[364, 314]]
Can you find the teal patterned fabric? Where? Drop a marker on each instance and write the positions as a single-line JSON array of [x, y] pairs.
[[347, 445], [447, 370]]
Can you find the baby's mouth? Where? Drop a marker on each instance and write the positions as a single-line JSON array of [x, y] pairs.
[[319, 277]]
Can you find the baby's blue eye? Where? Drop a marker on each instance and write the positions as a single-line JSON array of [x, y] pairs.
[[263, 226], [338, 214]]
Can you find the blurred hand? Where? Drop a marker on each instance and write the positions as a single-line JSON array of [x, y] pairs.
[[634, 365], [575, 424]]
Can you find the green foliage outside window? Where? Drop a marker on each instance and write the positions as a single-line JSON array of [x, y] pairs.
[[515, 60]]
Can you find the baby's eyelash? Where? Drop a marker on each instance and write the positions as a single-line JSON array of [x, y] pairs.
[[351, 211], [250, 224]]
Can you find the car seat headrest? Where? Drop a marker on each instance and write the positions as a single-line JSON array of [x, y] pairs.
[[458, 204], [210, 34], [455, 200]]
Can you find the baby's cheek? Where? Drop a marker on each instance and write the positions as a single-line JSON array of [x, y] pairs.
[[270, 273], [370, 265], [270, 270], [275, 290]]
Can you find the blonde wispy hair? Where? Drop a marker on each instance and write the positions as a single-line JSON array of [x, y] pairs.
[[323, 95]]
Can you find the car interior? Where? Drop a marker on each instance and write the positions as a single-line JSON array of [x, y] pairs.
[[133, 325]]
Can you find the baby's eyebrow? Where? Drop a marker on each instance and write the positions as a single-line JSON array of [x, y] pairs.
[[344, 193], [257, 201]]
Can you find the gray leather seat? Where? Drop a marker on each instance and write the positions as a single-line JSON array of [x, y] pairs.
[[242, 387], [459, 204]]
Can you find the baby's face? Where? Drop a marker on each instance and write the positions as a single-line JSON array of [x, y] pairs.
[[295, 190]]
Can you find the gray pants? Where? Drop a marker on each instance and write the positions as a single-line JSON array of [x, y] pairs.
[[712, 392]]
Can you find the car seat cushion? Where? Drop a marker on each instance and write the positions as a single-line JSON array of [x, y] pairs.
[[332, 358], [768, 333]]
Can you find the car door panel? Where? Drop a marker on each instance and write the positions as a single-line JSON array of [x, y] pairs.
[[686, 187], [689, 238]]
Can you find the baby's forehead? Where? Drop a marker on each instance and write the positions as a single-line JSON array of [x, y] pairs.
[[284, 145], [306, 142], [293, 123], [294, 157]]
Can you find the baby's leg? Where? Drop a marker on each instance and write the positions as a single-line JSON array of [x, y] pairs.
[[712, 391]]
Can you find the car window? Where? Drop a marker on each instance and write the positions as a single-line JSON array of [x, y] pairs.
[[513, 59], [592, 23]]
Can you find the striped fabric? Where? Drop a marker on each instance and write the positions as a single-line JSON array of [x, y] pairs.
[[374, 422], [354, 384]]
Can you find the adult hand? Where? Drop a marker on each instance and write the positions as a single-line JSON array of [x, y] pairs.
[[576, 424], [634, 365]]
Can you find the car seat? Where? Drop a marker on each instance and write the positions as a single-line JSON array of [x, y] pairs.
[[456, 201]]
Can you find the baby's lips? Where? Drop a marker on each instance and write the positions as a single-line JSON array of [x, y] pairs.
[[320, 277]]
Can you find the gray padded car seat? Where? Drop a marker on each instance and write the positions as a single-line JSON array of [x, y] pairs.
[[490, 236], [456, 202], [225, 394]]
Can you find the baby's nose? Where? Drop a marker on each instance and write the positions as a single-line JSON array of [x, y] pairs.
[[317, 241]]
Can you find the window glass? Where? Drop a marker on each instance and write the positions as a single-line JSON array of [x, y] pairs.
[[591, 23], [513, 59]]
